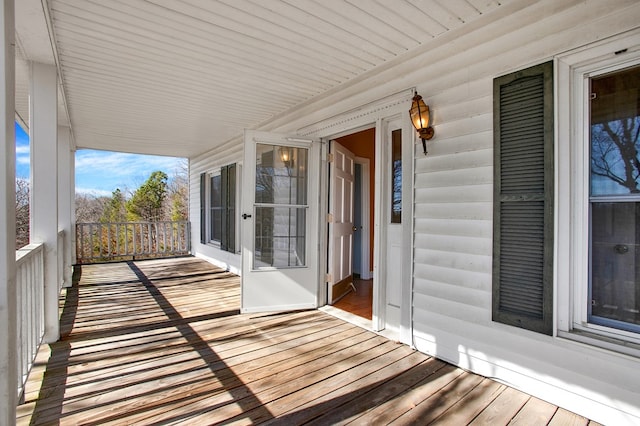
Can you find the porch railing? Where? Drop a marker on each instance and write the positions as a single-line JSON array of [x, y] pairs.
[[30, 307], [61, 264], [102, 242]]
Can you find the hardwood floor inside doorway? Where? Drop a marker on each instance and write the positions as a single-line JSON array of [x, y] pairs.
[[359, 302]]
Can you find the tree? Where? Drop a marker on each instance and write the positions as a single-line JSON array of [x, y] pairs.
[[22, 212], [89, 208], [176, 204], [615, 154], [114, 208], [147, 201]]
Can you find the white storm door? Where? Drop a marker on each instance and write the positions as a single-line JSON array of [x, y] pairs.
[[279, 223], [342, 172]]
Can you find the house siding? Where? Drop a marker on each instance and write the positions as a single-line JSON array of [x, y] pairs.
[[453, 201], [229, 153]]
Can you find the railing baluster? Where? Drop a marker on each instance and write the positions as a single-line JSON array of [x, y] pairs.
[[30, 307], [99, 242]]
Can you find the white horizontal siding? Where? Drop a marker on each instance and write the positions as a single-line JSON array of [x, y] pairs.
[[231, 152], [452, 287], [453, 196]]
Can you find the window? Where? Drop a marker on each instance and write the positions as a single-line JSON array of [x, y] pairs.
[[215, 214], [396, 176], [218, 208], [614, 199], [599, 195], [523, 199]]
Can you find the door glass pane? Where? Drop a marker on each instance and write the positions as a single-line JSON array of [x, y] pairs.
[[396, 176], [281, 206], [280, 237], [281, 174], [615, 200]]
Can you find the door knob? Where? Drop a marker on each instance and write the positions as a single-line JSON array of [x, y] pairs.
[[621, 248], [246, 216], [355, 228]]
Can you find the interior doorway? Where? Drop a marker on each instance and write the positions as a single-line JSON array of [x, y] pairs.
[[354, 295]]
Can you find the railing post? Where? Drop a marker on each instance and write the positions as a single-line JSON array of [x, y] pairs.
[[8, 334], [43, 133]]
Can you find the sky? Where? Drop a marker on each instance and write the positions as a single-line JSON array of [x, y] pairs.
[[102, 172]]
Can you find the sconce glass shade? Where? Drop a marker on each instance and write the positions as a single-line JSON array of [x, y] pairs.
[[419, 113], [286, 154]]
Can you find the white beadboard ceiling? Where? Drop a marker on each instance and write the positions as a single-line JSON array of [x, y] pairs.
[[177, 77]]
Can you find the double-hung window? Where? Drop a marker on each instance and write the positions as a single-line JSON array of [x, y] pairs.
[[567, 196], [599, 195], [218, 208], [614, 198]]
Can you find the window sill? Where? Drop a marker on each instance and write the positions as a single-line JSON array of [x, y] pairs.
[[608, 343]]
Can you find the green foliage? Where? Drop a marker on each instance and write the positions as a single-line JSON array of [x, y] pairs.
[[147, 201], [114, 209]]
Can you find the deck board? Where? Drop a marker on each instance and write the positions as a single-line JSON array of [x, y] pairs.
[[164, 342]]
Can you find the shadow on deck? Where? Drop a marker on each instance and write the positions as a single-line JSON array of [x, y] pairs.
[[163, 342]]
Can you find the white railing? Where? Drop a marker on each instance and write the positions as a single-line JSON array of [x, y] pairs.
[[61, 265], [30, 307], [100, 242]]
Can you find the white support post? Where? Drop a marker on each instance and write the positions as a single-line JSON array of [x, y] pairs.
[[43, 127], [8, 300], [66, 200]]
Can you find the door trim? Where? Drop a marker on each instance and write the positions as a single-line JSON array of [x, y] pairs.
[[372, 114]]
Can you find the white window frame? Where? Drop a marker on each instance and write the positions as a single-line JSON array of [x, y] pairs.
[[210, 176], [238, 189], [572, 243]]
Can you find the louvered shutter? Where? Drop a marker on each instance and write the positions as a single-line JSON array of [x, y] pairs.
[[228, 239], [231, 208], [203, 200], [523, 199]]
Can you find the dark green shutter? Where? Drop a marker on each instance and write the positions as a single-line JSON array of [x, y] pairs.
[[523, 199], [228, 240], [203, 200], [231, 208]]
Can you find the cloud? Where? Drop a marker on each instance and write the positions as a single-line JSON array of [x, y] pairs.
[[101, 172], [94, 192], [122, 164], [22, 150]]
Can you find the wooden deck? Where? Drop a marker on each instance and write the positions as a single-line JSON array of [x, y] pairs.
[[163, 342]]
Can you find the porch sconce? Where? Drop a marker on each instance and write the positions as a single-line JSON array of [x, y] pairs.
[[419, 113], [286, 154]]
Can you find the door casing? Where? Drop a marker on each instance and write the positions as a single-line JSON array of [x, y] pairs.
[[376, 114]]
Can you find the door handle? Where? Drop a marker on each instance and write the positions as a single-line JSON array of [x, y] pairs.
[[355, 228], [621, 248], [246, 216]]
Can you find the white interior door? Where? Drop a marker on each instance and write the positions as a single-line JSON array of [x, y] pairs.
[[279, 223], [342, 175]]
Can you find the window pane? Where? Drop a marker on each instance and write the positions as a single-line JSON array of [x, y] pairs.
[[396, 176], [280, 237], [216, 208], [615, 127], [615, 273], [281, 174], [615, 171]]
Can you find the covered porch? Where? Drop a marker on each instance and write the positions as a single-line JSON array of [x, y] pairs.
[[163, 342]]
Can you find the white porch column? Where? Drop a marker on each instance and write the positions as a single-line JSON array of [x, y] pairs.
[[43, 128], [8, 338], [66, 198]]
